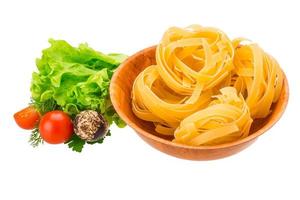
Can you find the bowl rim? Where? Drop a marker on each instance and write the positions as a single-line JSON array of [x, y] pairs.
[[146, 134]]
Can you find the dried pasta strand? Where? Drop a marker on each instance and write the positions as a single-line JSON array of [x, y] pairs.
[[262, 76], [206, 89], [157, 107], [207, 44], [229, 115]]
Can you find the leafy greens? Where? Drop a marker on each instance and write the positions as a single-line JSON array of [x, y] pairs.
[[75, 79]]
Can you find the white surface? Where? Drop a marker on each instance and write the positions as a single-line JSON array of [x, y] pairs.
[[124, 167]]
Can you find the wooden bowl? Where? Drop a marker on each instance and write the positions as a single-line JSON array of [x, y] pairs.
[[120, 94]]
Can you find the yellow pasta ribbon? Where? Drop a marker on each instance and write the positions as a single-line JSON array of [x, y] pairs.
[[153, 101], [225, 119], [206, 89], [194, 55], [259, 75]]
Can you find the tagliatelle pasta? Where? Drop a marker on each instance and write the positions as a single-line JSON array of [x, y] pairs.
[[259, 77], [154, 101], [226, 119], [206, 89], [194, 55]]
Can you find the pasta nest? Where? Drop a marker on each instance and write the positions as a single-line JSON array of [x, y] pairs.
[[206, 89]]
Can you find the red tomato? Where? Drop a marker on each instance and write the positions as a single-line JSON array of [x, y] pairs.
[[27, 118], [56, 127]]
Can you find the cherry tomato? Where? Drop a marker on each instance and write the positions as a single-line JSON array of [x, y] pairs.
[[27, 118], [56, 127]]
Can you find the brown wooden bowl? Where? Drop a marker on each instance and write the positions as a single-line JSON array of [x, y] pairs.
[[120, 94]]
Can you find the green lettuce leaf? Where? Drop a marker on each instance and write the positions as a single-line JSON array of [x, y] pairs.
[[76, 79]]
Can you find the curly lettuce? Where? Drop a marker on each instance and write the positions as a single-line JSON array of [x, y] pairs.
[[76, 79]]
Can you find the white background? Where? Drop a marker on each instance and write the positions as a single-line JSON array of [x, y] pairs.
[[124, 167]]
